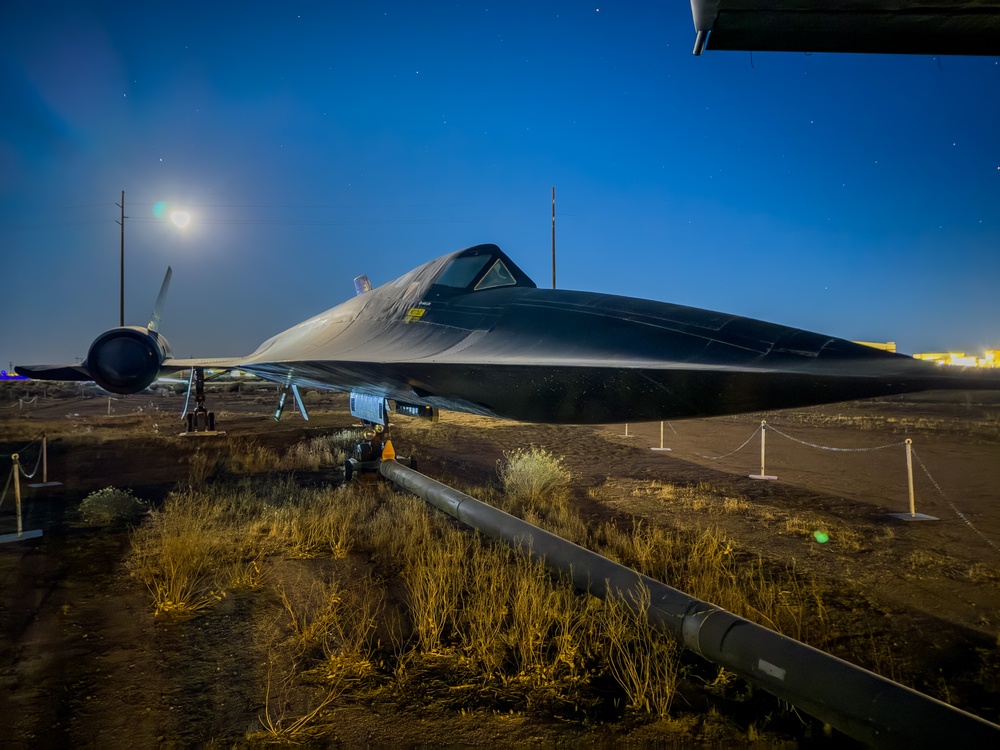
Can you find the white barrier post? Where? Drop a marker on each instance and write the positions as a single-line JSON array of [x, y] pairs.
[[661, 448], [912, 515], [763, 474]]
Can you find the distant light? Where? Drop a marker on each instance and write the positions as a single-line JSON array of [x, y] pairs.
[[181, 218]]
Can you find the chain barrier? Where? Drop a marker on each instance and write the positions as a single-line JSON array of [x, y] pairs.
[[727, 455], [806, 443], [952, 505], [772, 428]]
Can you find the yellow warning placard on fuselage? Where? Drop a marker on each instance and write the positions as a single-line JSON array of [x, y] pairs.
[[414, 314]]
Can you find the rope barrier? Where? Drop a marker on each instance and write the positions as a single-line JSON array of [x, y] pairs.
[[38, 462], [22, 450], [952, 505], [21, 403]]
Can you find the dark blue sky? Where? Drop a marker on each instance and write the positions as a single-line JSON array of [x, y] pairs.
[[856, 195]]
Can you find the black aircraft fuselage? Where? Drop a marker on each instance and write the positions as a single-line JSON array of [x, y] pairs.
[[499, 346]]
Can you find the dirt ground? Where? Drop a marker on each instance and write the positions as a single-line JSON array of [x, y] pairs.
[[84, 663]]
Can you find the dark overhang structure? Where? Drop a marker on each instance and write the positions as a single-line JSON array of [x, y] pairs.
[[907, 27]]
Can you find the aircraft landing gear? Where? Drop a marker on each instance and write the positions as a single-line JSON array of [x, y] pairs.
[[201, 421], [370, 451]]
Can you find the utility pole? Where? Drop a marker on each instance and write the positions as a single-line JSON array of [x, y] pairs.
[[121, 298], [553, 237]]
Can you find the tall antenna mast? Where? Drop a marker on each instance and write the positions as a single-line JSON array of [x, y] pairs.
[[121, 297], [553, 237]]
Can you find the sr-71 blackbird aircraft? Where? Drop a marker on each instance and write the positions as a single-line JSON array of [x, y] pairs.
[[471, 332]]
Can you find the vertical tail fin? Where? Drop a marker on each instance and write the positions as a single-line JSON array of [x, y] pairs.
[[161, 298], [362, 284]]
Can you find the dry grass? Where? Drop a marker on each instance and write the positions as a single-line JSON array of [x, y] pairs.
[[250, 457], [645, 663], [183, 557], [470, 624], [516, 632], [433, 577], [705, 500]]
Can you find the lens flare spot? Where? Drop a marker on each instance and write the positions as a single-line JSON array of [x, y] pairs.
[[821, 536], [159, 208]]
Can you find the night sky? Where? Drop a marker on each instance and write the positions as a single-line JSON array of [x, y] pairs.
[[855, 195]]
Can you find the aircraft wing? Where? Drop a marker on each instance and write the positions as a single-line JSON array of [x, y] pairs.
[[216, 363], [911, 27], [54, 372]]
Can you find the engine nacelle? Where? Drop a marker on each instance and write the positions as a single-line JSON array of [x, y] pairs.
[[126, 360]]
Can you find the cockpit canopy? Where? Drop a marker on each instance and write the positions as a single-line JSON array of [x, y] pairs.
[[478, 268]]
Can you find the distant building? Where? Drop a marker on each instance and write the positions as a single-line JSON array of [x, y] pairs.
[[990, 358]]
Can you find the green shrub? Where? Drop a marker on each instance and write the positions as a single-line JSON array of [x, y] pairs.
[[534, 478], [111, 505]]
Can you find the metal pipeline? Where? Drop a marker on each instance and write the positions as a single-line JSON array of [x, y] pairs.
[[857, 702]]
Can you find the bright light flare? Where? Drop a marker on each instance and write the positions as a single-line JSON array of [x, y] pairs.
[[180, 218]]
